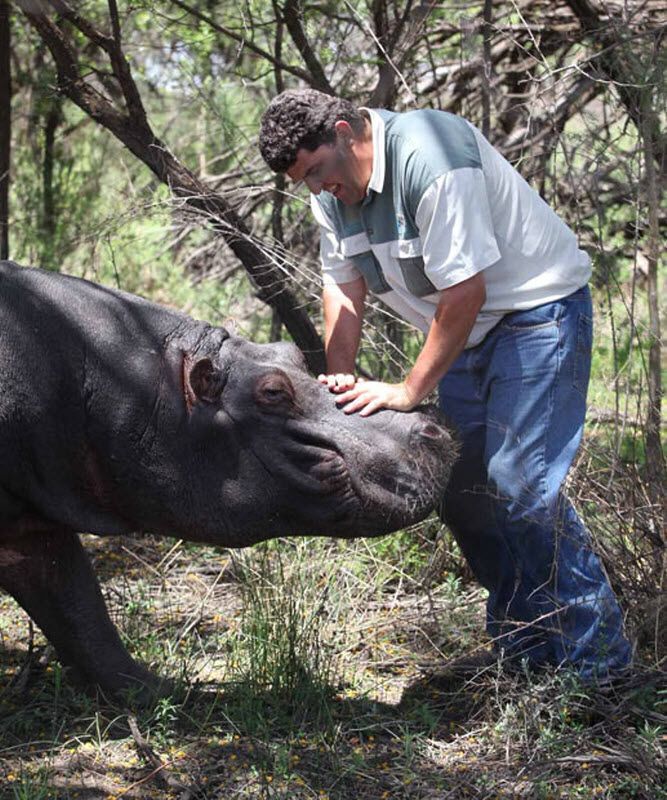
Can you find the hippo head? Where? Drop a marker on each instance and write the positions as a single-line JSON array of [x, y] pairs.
[[282, 458]]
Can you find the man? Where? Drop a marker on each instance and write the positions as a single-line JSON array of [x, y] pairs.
[[421, 210]]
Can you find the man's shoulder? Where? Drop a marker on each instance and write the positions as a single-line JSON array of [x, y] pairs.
[[424, 119], [441, 140], [422, 148]]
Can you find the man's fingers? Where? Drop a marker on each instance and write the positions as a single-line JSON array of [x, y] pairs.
[[359, 402], [372, 407], [370, 396], [343, 382], [350, 394], [339, 382]]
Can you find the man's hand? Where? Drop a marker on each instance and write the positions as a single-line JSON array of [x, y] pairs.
[[454, 317], [369, 396], [340, 382]]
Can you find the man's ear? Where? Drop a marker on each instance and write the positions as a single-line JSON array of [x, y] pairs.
[[205, 381], [344, 129]]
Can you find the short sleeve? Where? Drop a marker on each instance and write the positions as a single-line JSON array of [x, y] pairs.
[[455, 227], [335, 267]]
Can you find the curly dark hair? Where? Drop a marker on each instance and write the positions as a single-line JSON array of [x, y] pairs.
[[302, 118]]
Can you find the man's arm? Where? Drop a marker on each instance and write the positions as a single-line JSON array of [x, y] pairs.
[[453, 320], [343, 306], [455, 315]]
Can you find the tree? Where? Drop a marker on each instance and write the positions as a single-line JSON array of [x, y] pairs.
[[5, 124], [127, 120], [556, 86]]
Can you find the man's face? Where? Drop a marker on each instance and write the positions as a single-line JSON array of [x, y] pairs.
[[334, 168]]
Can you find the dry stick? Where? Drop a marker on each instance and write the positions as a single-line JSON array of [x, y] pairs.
[[654, 455], [145, 751]]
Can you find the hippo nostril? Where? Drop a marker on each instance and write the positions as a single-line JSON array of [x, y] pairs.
[[430, 433]]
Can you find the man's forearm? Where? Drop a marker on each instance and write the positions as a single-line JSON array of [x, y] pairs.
[[455, 315], [343, 316], [454, 318], [341, 349]]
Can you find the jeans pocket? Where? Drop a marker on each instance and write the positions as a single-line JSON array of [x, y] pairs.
[[582, 361], [543, 316]]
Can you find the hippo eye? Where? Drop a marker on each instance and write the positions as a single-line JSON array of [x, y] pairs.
[[275, 391]]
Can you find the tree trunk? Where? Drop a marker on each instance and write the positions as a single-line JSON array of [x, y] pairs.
[[51, 123], [278, 236], [5, 124], [486, 68], [654, 455]]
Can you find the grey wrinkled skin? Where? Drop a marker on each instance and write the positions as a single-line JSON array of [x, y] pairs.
[[118, 416]]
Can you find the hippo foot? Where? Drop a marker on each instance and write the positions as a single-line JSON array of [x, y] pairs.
[[141, 689]]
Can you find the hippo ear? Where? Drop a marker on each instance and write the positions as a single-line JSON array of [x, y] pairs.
[[206, 382]]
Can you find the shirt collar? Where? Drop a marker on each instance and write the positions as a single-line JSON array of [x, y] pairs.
[[376, 183]]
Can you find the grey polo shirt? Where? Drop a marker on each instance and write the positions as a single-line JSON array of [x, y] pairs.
[[442, 205]]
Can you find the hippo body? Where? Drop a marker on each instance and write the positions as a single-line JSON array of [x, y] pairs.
[[118, 416]]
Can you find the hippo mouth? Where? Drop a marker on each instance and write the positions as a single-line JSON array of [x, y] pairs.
[[367, 495], [314, 464], [397, 498]]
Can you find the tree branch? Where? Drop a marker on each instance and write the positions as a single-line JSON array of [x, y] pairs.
[[292, 18], [610, 63], [72, 15], [136, 134], [121, 69], [296, 71]]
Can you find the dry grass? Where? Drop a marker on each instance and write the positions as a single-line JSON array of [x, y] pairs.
[[313, 669]]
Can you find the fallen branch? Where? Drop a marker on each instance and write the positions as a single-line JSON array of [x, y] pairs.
[[159, 769]]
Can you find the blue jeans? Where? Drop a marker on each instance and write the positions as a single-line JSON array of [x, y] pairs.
[[518, 400]]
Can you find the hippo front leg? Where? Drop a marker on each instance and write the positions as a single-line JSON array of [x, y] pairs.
[[50, 575]]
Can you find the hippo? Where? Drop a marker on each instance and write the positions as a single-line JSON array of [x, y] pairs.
[[121, 416]]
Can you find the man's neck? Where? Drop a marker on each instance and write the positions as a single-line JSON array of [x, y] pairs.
[[363, 150]]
